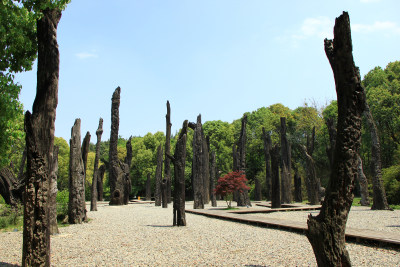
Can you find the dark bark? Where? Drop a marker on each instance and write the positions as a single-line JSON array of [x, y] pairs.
[[100, 177], [11, 189], [76, 203], [179, 161], [362, 181], [275, 185], [313, 183], [330, 123], [164, 199], [379, 201], [167, 162], [94, 192], [39, 128], [158, 194], [286, 171], [243, 198], [267, 148], [257, 190], [120, 183], [213, 171], [298, 197], [235, 157], [148, 187], [129, 155], [85, 149], [326, 232], [53, 193], [198, 166], [22, 166], [206, 169]]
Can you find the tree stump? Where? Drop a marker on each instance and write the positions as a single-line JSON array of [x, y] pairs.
[[286, 170], [243, 198], [94, 193], [148, 187], [267, 147], [198, 166], [76, 203], [363, 182], [213, 171], [100, 177], [275, 185], [326, 232], [158, 194], [167, 161]]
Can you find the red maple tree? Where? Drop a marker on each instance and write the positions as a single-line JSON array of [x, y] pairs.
[[229, 183]]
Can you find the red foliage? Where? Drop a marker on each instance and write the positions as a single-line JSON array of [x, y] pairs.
[[231, 182]]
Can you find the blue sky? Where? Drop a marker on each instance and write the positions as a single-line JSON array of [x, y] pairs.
[[215, 58]]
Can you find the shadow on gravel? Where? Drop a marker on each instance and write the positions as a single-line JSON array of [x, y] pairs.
[[5, 264], [393, 226], [160, 225]]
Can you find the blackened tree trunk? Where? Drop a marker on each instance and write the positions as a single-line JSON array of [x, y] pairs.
[[243, 198], [22, 167], [53, 193], [275, 185], [206, 170], [76, 204], [39, 128], [158, 179], [164, 199], [379, 201], [257, 189], [100, 177], [85, 149], [235, 157], [11, 189], [313, 182], [198, 166], [267, 148], [286, 171], [298, 197], [148, 187], [362, 181], [326, 232], [213, 171], [94, 195], [179, 161], [129, 154], [330, 150], [167, 161]]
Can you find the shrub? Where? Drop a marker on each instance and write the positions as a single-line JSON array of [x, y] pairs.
[[10, 216], [231, 182], [62, 204], [391, 180]]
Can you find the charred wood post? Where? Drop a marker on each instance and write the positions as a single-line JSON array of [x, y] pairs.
[[53, 193], [298, 197], [330, 124], [100, 177], [267, 148], [378, 190], [243, 198], [148, 187], [85, 149], [206, 168], [158, 194], [198, 166], [76, 203], [286, 180], [39, 128], [179, 161], [94, 193], [167, 161], [213, 171], [326, 232], [362, 180], [164, 200], [129, 155], [257, 189], [275, 185]]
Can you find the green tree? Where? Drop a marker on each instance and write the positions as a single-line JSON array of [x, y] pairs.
[[63, 163]]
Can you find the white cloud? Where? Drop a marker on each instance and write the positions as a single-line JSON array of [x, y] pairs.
[[85, 55], [378, 26], [320, 27]]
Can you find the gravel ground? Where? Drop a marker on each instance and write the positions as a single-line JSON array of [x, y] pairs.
[[142, 235]]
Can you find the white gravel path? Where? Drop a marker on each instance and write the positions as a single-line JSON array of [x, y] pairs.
[[142, 235]]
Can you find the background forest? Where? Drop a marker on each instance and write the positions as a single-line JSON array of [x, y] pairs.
[[383, 95]]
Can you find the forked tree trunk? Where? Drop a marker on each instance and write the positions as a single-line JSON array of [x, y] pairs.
[[378, 190], [76, 203], [179, 161], [276, 192], [167, 161], [267, 148], [362, 180], [326, 232], [158, 177], [53, 193], [148, 187], [39, 128], [100, 177], [198, 166], [213, 171], [286, 176], [94, 195]]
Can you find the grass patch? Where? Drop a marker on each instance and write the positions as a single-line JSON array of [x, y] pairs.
[[11, 218], [231, 208]]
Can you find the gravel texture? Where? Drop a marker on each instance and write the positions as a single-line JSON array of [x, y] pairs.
[[142, 235]]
